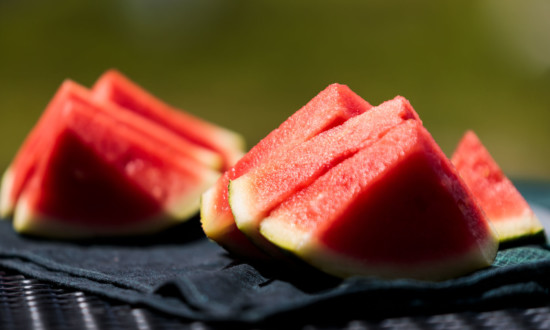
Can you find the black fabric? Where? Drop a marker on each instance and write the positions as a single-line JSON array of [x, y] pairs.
[[181, 273]]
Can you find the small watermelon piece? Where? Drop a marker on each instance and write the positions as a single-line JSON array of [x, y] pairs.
[[503, 204], [101, 176], [115, 87], [254, 194], [23, 166], [395, 209], [330, 108]]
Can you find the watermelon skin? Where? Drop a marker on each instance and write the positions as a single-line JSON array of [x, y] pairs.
[[330, 108], [24, 164], [254, 194], [100, 176], [117, 88], [503, 204], [396, 209]]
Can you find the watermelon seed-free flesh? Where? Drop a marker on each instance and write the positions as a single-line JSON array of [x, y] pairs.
[[330, 108], [23, 166], [100, 176], [503, 204], [396, 209], [254, 194], [115, 87]]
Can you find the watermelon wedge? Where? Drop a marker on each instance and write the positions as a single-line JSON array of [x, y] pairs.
[[330, 108], [395, 209], [115, 87], [254, 194], [23, 166], [99, 175], [503, 204]]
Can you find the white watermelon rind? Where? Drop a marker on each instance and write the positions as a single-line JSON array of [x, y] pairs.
[[232, 141], [207, 213], [179, 210], [6, 202], [247, 221], [189, 204], [241, 201], [302, 244], [32, 223], [29, 222], [518, 228]]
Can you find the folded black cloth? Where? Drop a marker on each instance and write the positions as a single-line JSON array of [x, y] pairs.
[[181, 273]]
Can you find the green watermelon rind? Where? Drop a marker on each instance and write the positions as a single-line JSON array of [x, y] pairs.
[[304, 246], [522, 228], [283, 230]]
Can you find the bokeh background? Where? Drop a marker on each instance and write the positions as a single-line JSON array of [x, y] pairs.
[[249, 64]]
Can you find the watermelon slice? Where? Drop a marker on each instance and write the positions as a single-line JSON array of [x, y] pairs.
[[255, 193], [497, 195], [99, 175], [115, 87], [328, 109], [395, 209], [23, 166]]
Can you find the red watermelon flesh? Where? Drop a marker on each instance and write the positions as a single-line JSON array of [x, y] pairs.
[[23, 166], [254, 194], [115, 87], [503, 204], [396, 209], [330, 108], [100, 176]]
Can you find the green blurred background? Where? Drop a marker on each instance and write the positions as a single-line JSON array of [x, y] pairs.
[[247, 65]]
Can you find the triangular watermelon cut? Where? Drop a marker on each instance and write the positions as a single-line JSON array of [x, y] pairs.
[[101, 176], [395, 209], [23, 166], [255, 193], [330, 108], [117, 88], [504, 205]]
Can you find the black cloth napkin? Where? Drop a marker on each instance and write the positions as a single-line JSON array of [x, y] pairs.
[[181, 273]]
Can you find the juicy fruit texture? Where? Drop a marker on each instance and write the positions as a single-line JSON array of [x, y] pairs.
[[100, 176], [396, 208], [24, 164], [113, 86], [255, 193], [503, 204], [91, 166], [27, 158], [330, 108]]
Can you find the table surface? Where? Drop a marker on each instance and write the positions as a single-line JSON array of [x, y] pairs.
[[27, 303]]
